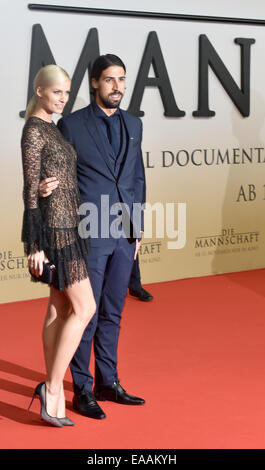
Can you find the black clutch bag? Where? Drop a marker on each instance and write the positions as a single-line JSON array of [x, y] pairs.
[[47, 274]]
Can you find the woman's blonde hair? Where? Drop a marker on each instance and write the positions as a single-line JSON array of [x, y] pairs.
[[46, 76]]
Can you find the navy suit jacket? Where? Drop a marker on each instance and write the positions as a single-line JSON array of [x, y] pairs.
[[95, 173]]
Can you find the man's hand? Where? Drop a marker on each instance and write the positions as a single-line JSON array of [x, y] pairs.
[[138, 244], [47, 186]]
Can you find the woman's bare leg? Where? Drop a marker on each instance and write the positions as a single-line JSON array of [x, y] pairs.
[[65, 339], [58, 310]]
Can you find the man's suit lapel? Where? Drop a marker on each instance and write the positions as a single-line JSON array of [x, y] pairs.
[[130, 129], [130, 134], [98, 137]]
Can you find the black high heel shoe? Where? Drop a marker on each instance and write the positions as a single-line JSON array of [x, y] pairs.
[[40, 391]]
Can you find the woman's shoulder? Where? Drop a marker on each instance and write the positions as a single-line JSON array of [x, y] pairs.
[[35, 129], [35, 122]]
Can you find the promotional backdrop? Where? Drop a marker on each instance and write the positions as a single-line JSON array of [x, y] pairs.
[[209, 169]]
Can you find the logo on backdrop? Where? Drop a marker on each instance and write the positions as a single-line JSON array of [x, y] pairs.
[[150, 252], [41, 55], [227, 242], [13, 267], [204, 157]]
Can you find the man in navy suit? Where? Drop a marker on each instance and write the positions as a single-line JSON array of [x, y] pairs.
[[111, 177]]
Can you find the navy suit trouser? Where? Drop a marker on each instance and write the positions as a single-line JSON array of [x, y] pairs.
[[135, 279], [110, 271]]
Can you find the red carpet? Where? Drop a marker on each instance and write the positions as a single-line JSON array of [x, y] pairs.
[[196, 354]]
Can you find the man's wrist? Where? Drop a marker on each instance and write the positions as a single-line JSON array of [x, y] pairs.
[[141, 236]]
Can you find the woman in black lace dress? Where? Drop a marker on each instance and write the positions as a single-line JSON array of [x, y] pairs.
[[50, 233]]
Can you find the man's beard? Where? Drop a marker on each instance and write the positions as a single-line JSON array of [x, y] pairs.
[[108, 103]]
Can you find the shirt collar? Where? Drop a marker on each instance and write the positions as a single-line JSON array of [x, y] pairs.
[[99, 112]]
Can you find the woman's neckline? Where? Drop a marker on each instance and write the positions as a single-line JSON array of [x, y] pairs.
[[43, 120]]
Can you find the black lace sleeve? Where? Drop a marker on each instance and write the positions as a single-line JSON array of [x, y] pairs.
[[33, 229]]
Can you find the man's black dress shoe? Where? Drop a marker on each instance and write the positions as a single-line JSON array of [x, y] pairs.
[[87, 406], [142, 294], [116, 393]]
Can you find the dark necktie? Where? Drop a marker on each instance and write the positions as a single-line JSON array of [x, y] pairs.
[[112, 123]]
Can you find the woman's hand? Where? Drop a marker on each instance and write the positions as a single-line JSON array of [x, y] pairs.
[[47, 186], [35, 262]]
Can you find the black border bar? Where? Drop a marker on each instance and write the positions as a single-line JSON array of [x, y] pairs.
[[145, 14]]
